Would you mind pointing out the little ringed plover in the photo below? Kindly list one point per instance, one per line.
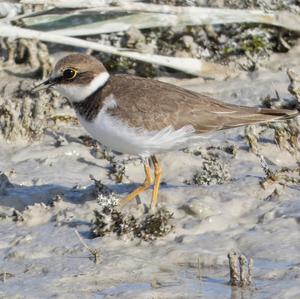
(145, 117)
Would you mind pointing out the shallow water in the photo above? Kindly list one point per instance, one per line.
(48, 261)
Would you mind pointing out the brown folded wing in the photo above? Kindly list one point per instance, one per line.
(154, 105)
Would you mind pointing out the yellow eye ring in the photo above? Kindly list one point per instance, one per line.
(70, 73)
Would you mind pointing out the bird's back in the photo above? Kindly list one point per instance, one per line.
(156, 105)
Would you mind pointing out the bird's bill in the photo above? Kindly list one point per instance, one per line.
(44, 85)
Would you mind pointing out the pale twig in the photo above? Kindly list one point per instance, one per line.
(250, 270)
(199, 276)
(265, 166)
(74, 3)
(252, 138)
(94, 252)
(188, 65)
(283, 42)
(241, 269)
(189, 15)
(233, 267)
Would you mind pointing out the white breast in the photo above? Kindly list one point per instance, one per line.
(117, 135)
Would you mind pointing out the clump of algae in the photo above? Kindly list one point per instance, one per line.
(147, 227)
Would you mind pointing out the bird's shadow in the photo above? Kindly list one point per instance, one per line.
(20, 196)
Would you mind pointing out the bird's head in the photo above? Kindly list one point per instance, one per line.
(76, 76)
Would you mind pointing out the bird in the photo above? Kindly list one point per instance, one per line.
(145, 117)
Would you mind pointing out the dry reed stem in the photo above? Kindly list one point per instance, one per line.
(94, 252)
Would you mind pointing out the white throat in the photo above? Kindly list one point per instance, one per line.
(79, 92)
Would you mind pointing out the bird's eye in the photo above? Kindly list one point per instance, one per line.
(69, 73)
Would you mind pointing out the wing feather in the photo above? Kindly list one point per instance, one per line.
(155, 105)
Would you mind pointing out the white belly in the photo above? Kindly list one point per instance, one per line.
(117, 136)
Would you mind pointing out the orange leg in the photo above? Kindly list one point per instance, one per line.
(157, 173)
(140, 189)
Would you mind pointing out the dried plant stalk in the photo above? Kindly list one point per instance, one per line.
(94, 252)
(186, 15)
(191, 66)
(252, 138)
(241, 269)
(233, 267)
(75, 3)
(250, 270)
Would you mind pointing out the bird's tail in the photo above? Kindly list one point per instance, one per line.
(248, 115)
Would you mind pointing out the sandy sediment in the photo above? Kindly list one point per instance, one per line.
(46, 193)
